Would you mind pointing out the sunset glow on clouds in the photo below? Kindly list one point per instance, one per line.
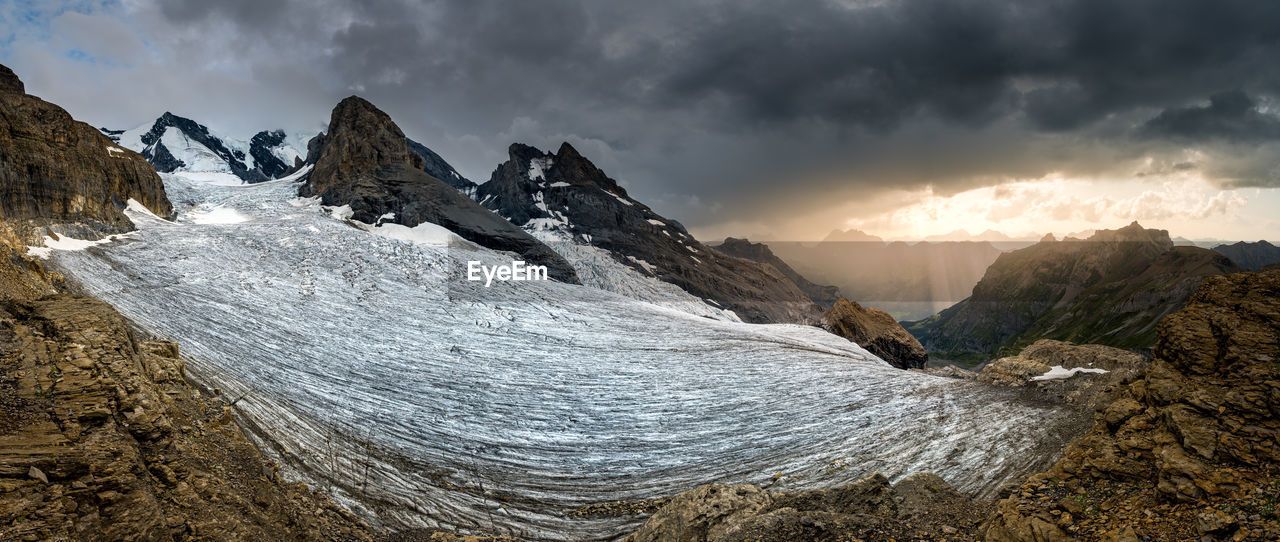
(1189, 207)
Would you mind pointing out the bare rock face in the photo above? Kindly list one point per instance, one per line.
(365, 162)
(9, 81)
(878, 332)
(101, 438)
(56, 170)
(1196, 431)
(919, 507)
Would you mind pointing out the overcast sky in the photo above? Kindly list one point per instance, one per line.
(769, 119)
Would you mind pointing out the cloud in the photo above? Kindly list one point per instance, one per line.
(770, 110)
(1230, 115)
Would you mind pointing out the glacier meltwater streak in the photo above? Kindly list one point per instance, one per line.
(368, 366)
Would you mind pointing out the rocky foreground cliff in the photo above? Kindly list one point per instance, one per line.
(1183, 447)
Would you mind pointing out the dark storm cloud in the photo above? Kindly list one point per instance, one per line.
(1231, 115)
(702, 101)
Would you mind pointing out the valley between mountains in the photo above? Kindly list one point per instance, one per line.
(210, 338)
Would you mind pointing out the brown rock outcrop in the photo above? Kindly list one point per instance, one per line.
(1197, 431)
(101, 438)
(878, 332)
(56, 170)
(919, 507)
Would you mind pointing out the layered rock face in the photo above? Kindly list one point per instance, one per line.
(55, 170)
(364, 161)
(1110, 289)
(823, 295)
(565, 195)
(101, 438)
(1193, 441)
(876, 331)
(919, 507)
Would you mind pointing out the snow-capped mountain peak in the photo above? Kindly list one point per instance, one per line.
(178, 144)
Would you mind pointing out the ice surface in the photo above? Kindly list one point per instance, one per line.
(195, 156)
(1058, 373)
(369, 367)
(218, 215)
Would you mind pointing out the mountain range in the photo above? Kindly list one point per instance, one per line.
(1250, 256)
(1109, 289)
(563, 196)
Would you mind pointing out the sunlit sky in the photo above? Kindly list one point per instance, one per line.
(1186, 206)
(776, 120)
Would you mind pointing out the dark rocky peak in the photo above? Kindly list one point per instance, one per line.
(9, 81)
(573, 168)
(367, 136)
(566, 196)
(365, 161)
(164, 159)
(436, 165)
(264, 159)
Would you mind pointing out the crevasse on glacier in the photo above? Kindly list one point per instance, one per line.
(368, 366)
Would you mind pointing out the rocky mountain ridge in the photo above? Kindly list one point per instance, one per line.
(364, 162)
(1110, 289)
(178, 144)
(823, 295)
(563, 194)
(1250, 256)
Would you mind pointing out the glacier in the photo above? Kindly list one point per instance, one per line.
(368, 366)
